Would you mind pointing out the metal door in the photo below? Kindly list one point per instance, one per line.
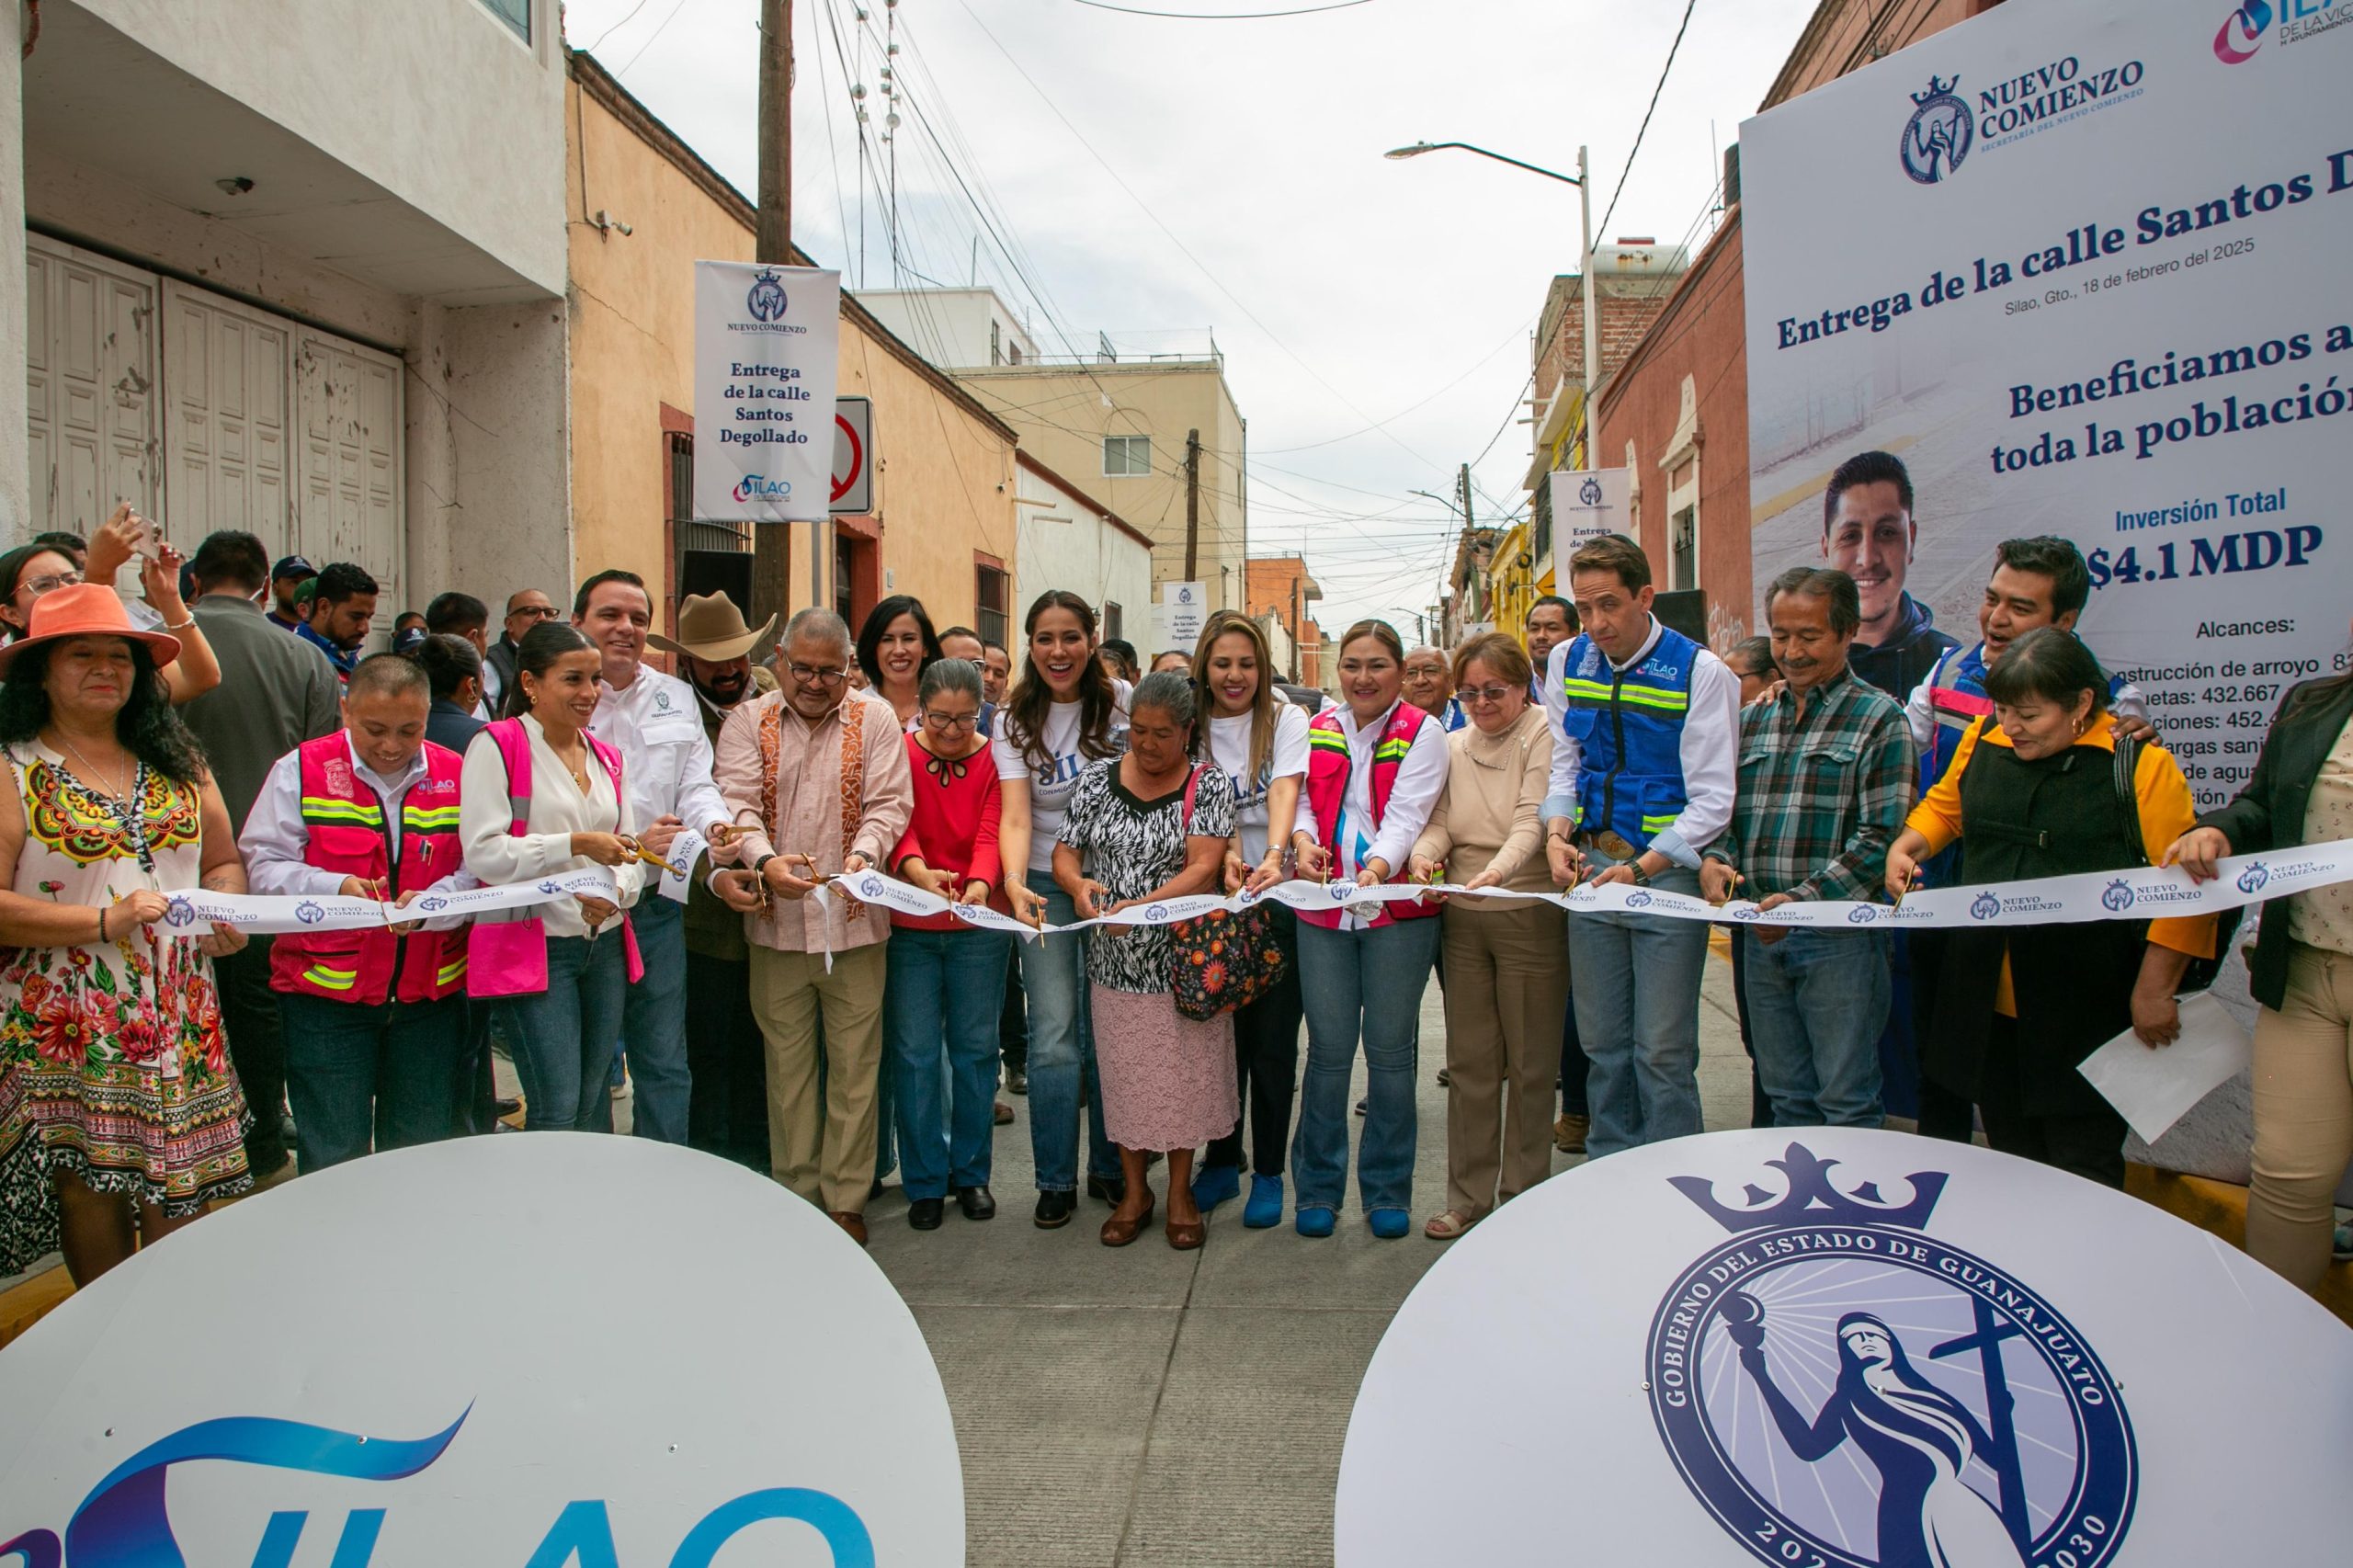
(91, 370)
(225, 367)
(347, 458)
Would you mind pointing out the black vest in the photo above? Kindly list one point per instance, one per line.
(2052, 817)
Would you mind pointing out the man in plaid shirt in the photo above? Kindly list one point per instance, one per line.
(1826, 778)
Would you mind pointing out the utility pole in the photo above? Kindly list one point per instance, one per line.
(1592, 307)
(1192, 502)
(772, 245)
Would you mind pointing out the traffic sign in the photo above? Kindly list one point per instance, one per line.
(853, 456)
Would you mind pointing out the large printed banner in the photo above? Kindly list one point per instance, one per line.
(765, 376)
(2082, 269)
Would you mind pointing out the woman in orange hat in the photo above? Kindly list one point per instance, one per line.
(114, 1084)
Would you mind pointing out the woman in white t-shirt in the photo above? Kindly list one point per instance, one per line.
(1259, 742)
(1063, 713)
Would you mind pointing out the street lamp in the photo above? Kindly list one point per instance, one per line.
(1585, 260)
(1451, 505)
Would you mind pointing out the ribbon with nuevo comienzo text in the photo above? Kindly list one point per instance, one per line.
(2136, 893)
(191, 913)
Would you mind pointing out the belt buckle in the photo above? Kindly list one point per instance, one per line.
(1616, 847)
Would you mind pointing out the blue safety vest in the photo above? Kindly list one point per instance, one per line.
(1628, 725)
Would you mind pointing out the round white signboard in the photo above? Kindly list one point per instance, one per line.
(1839, 1348)
(546, 1351)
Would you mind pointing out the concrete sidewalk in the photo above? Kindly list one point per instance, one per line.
(1143, 1406)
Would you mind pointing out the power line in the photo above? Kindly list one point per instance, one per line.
(650, 38)
(1687, 7)
(617, 26)
(1055, 109)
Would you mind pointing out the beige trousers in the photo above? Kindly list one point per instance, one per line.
(2304, 1116)
(1506, 997)
(822, 1147)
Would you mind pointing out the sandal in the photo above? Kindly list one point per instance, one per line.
(1446, 1226)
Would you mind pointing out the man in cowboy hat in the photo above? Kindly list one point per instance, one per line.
(727, 1111)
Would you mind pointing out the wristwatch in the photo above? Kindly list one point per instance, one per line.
(760, 864)
(1642, 878)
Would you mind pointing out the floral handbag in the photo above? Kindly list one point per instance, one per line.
(1224, 960)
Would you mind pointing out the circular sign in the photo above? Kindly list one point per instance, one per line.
(1832, 1347)
(552, 1348)
(849, 456)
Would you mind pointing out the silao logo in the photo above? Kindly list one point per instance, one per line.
(759, 488)
(2242, 33)
(123, 1522)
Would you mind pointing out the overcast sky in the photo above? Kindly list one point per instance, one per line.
(1160, 178)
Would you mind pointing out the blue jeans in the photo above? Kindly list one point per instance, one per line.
(361, 1075)
(1817, 1001)
(1360, 985)
(653, 1021)
(1061, 1052)
(562, 1038)
(944, 988)
(1637, 999)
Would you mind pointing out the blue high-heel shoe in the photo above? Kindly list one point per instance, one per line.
(1212, 1184)
(1316, 1222)
(1265, 1209)
(1389, 1224)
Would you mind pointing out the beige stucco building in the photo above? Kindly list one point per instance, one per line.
(942, 526)
(1118, 428)
(1111, 420)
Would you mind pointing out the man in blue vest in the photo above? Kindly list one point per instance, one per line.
(1645, 731)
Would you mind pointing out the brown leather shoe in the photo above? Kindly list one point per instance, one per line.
(1003, 1113)
(1187, 1238)
(1119, 1232)
(853, 1223)
(1568, 1133)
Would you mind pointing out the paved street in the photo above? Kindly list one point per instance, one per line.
(1147, 1407)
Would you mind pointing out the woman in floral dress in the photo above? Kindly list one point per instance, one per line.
(120, 1119)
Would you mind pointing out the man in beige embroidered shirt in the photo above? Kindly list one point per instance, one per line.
(817, 777)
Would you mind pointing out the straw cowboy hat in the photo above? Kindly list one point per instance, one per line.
(87, 609)
(712, 628)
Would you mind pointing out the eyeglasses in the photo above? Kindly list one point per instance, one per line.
(533, 612)
(821, 674)
(1487, 693)
(39, 585)
(950, 720)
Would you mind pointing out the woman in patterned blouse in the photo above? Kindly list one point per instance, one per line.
(116, 1092)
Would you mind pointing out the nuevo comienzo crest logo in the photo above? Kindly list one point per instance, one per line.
(2117, 897)
(1938, 136)
(1590, 491)
(765, 300)
(2253, 877)
(1839, 1388)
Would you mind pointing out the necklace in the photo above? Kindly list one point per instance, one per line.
(98, 780)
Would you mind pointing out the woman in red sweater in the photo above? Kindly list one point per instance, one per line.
(945, 979)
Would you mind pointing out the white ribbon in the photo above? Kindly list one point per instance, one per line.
(2141, 893)
(192, 912)
(679, 863)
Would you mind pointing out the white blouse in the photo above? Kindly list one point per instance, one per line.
(558, 811)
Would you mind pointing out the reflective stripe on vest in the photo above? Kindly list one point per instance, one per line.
(1329, 763)
(346, 836)
(1628, 726)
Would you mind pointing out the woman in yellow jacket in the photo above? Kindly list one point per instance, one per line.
(2034, 793)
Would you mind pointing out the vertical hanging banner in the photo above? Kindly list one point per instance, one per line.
(2081, 269)
(1586, 504)
(764, 372)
